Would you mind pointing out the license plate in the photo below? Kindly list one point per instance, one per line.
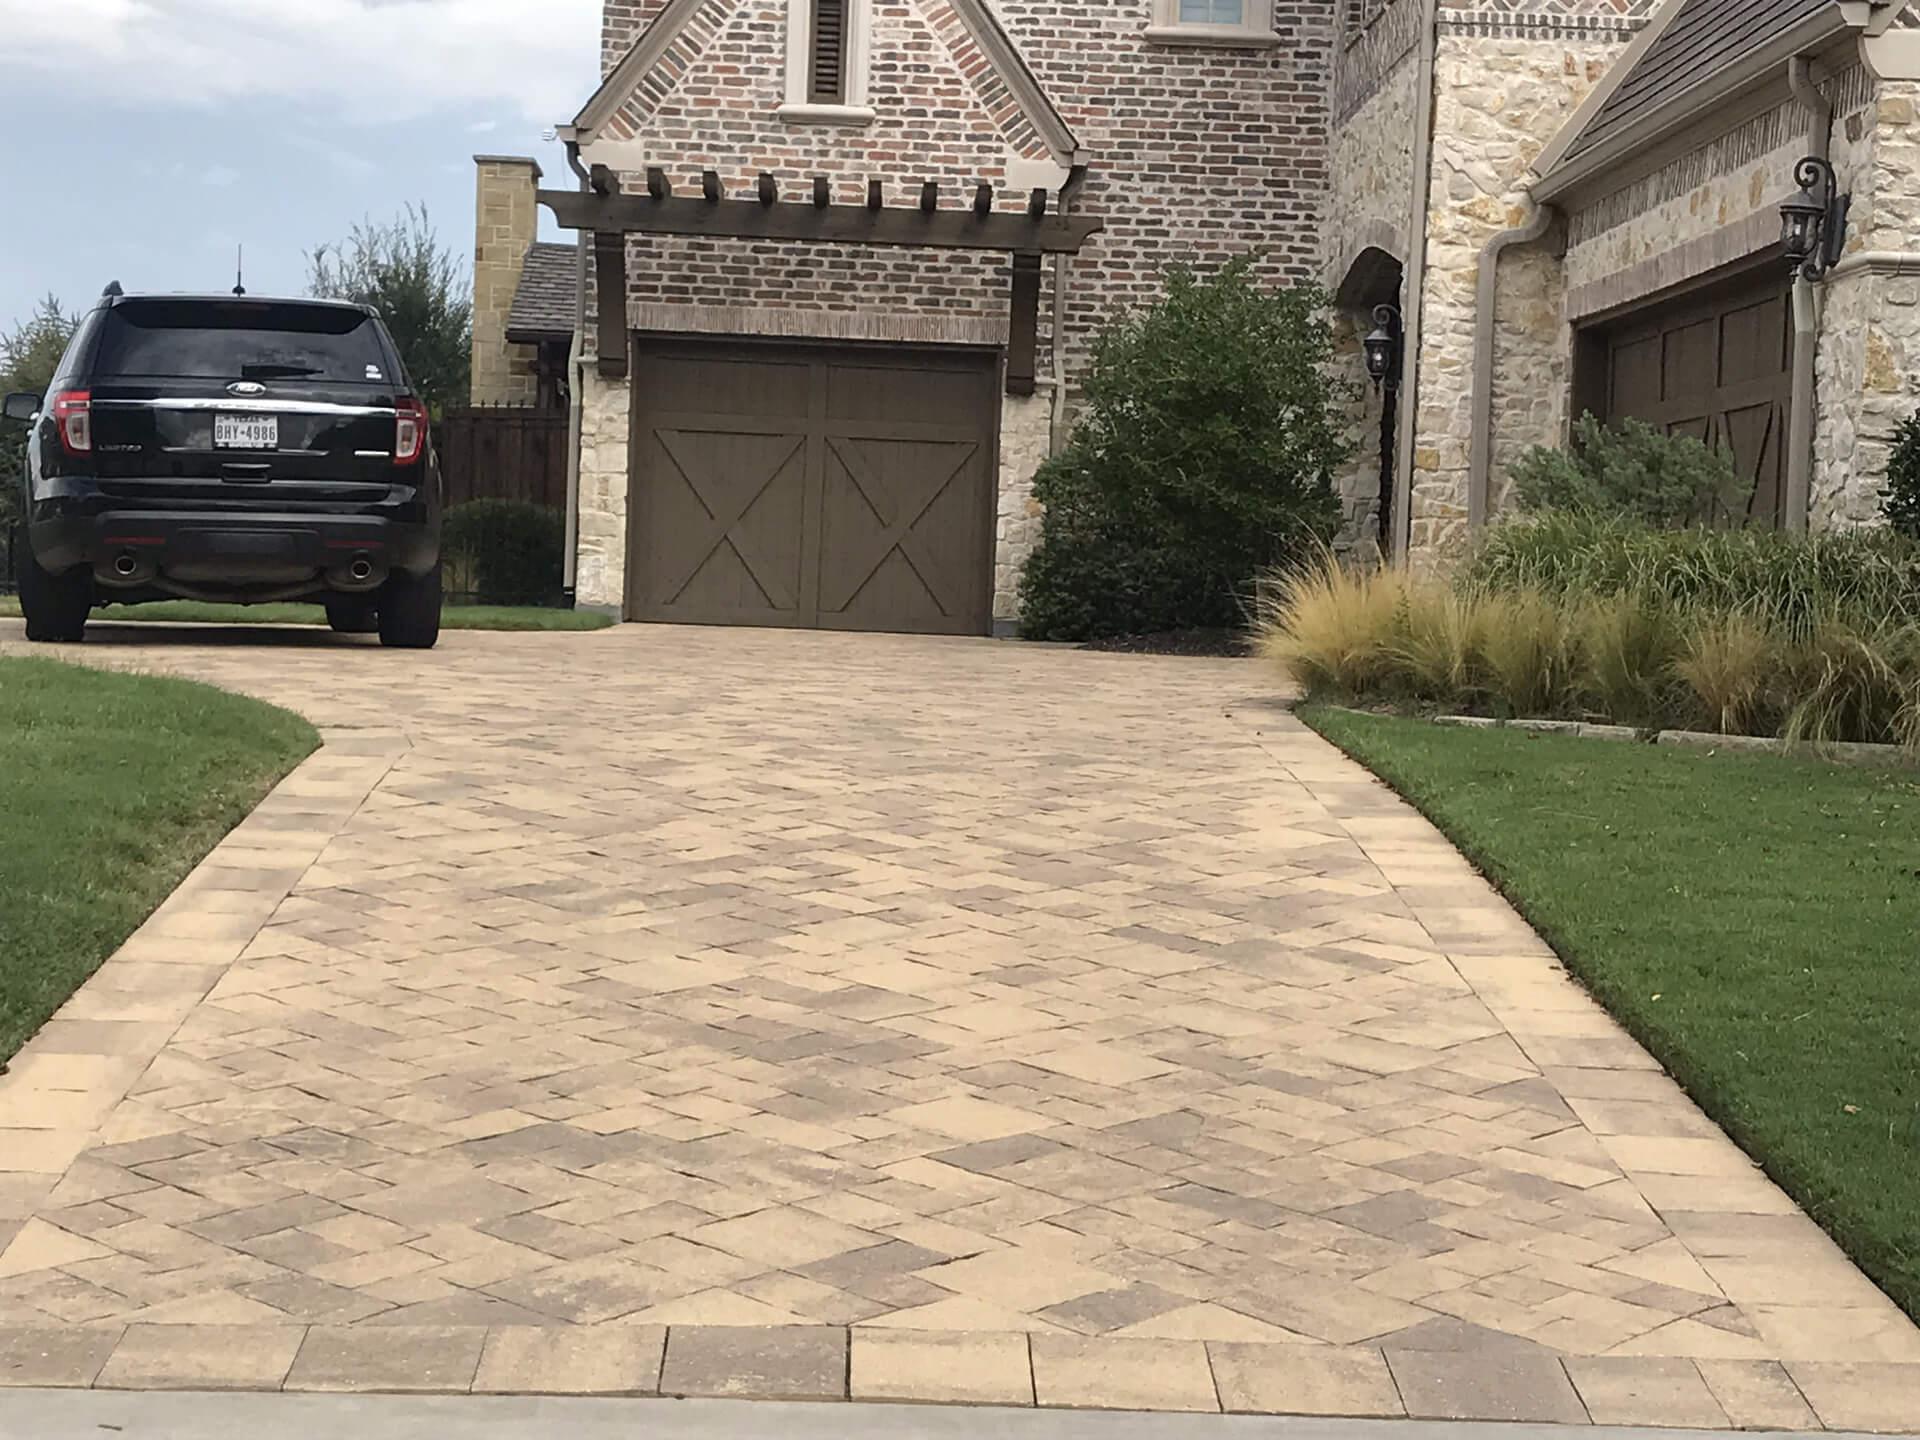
(246, 432)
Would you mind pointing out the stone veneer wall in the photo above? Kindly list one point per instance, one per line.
(1868, 365)
(1199, 152)
(1499, 101)
(1369, 207)
(1507, 79)
(506, 222)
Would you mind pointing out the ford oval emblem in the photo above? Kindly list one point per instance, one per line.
(246, 387)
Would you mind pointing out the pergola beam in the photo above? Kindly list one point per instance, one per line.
(1026, 236)
(764, 219)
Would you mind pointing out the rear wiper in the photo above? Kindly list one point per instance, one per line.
(276, 372)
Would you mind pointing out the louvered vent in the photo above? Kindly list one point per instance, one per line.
(829, 85)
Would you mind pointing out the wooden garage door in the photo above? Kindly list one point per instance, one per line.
(1717, 366)
(842, 488)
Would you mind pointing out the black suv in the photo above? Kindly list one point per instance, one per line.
(231, 449)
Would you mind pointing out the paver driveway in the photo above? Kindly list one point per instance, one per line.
(1071, 1027)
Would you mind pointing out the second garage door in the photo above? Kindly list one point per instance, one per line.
(845, 487)
(1716, 365)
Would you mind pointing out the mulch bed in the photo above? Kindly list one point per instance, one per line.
(1231, 644)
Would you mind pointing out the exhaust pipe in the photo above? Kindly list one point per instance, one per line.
(126, 565)
(361, 569)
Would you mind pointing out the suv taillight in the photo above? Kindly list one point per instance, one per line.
(409, 431)
(73, 418)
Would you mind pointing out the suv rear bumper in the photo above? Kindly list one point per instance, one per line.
(227, 552)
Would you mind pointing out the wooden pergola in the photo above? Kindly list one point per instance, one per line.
(1026, 235)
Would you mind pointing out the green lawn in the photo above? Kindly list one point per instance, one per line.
(454, 617)
(112, 788)
(1753, 920)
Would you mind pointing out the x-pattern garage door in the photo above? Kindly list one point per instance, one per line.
(841, 488)
(1717, 367)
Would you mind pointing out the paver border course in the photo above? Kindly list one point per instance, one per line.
(836, 1364)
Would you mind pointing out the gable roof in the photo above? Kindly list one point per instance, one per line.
(676, 21)
(1693, 61)
(544, 305)
(1701, 38)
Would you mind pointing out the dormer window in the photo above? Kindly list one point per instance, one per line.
(827, 62)
(1247, 23)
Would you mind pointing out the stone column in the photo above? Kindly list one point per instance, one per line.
(1026, 434)
(506, 222)
(1869, 358)
(605, 470)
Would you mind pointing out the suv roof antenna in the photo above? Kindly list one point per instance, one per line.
(240, 272)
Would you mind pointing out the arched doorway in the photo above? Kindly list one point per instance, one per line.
(1375, 280)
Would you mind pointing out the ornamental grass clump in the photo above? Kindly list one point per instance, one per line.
(1529, 649)
(1629, 645)
(1731, 665)
(1334, 628)
(1384, 637)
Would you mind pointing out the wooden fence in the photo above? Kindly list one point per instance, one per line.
(504, 453)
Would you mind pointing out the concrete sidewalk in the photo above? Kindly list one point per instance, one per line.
(67, 1415)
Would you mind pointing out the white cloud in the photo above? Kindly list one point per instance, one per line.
(372, 61)
(220, 177)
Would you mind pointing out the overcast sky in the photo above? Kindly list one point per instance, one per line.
(145, 139)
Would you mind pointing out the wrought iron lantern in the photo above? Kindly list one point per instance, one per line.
(1383, 347)
(1813, 224)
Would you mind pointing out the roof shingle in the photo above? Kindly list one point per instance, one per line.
(544, 304)
(1704, 36)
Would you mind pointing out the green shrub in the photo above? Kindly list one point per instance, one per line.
(1785, 580)
(1633, 471)
(1204, 457)
(1903, 480)
(505, 552)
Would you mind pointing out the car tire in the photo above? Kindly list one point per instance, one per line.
(353, 614)
(410, 610)
(55, 606)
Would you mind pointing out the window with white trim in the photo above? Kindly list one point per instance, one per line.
(1221, 22)
(827, 61)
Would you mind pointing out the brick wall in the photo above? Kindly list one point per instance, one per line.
(1197, 152)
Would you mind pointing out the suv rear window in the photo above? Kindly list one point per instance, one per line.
(241, 340)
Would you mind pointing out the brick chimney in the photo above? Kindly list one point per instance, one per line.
(506, 221)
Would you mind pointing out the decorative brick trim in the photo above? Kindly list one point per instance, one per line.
(680, 56)
(1743, 240)
(1371, 53)
(1495, 26)
(1743, 145)
(790, 324)
(995, 94)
